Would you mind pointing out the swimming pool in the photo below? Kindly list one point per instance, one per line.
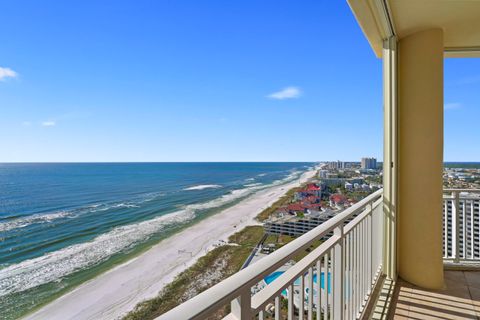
(273, 276)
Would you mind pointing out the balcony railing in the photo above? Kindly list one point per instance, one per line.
(334, 280)
(461, 235)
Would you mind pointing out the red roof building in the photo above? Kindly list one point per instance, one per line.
(338, 198)
(295, 207)
(312, 187)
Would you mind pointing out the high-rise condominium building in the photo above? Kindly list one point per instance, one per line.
(468, 226)
(369, 163)
(335, 165)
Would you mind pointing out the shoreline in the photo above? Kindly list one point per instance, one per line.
(114, 293)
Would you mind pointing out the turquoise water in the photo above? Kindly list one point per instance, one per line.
(273, 276)
(62, 224)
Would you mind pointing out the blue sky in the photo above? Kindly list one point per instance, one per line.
(202, 81)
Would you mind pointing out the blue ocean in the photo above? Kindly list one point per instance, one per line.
(62, 224)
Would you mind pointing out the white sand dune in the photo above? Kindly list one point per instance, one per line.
(116, 292)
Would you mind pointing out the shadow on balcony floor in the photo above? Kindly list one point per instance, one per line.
(460, 299)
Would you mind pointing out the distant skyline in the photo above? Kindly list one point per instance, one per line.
(124, 81)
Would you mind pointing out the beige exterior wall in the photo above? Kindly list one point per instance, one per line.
(420, 158)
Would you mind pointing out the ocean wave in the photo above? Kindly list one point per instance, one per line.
(106, 206)
(252, 184)
(40, 218)
(36, 218)
(223, 200)
(203, 186)
(241, 193)
(55, 265)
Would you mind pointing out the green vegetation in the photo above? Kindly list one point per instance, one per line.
(284, 200)
(248, 236)
(356, 195)
(284, 239)
(330, 189)
(210, 269)
(271, 238)
(278, 240)
(374, 179)
(345, 174)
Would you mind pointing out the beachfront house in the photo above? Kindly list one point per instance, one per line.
(312, 189)
(396, 257)
(337, 200)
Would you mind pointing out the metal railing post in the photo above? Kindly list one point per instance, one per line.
(241, 306)
(339, 269)
(370, 247)
(456, 226)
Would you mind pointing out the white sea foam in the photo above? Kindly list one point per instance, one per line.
(106, 206)
(262, 174)
(55, 265)
(253, 184)
(240, 193)
(132, 203)
(36, 218)
(223, 200)
(72, 213)
(203, 186)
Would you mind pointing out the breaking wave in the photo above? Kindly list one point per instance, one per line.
(203, 186)
(40, 218)
(252, 184)
(57, 264)
(36, 218)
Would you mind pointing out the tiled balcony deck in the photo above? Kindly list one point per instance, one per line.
(460, 299)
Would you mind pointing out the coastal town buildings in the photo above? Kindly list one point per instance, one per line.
(334, 190)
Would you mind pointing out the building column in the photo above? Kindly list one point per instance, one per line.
(420, 159)
(390, 162)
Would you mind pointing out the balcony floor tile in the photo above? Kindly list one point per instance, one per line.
(473, 279)
(459, 299)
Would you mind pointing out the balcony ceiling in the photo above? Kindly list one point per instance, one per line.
(459, 19)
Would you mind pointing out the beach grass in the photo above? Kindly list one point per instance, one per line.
(248, 236)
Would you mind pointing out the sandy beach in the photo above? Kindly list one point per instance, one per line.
(114, 293)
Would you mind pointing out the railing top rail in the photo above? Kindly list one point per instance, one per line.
(230, 288)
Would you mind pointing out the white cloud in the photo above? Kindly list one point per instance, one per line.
(48, 123)
(286, 93)
(7, 73)
(453, 105)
